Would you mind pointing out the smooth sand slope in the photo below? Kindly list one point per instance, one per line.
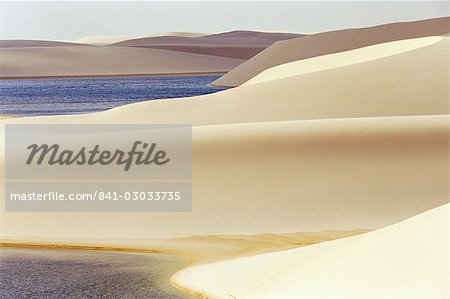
(410, 83)
(103, 40)
(331, 42)
(235, 44)
(340, 174)
(406, 260)
(15, 43)
(96, 61)
(343, 162)
(331, 61)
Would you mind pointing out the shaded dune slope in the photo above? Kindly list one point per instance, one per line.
(367, 146)
(340, 174)
(235, 44)
(332, 42)
(390, 86)
(14, 43)
(92, 61)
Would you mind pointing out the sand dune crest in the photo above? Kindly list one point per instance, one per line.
(332, 42)
(406, 260)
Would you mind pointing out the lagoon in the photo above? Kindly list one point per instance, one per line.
(29, 97)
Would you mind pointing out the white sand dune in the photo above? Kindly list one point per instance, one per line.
(407, 260)
(341, 59)
(361, 144)
(235, 44)
(101, 40)
(367, 146)
(389, 86)
(331, 42)
(95, 61)
(340, 174)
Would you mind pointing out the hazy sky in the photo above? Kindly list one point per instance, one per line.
(64, 20)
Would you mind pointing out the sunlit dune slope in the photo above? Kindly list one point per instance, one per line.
(332, 42)
(406, 260)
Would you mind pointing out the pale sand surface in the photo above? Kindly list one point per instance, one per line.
(406, 260)
(6, 116)
(235, 44)
(361, 146)
(409, 83)
(92, 61)
(103, 40)
(341, 59)
(331, 42)
(299, 169)
(337, 174)
(17, 43)
(194, 250)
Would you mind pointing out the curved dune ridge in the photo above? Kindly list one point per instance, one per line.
(361, 144)
(331, 42)
(96, 61)
(103, 40)
(339, 174)
(179, 33)
(406, 260)
(340, 152)
(341, 59)
(16, 43)
(410, 83)
(234, 44)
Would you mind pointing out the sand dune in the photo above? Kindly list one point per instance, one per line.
(331, 61)
(178, 33)
(331, 42)
(343, 150)
(235, 44)
(101, 40)
(15, 43)
(388, 86)
(406, 260)
(91, 61)
(340, 174)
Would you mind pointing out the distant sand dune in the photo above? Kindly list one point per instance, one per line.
(235, 44)
(178, 33)
(406, 260)
(103, 40)
(332, 42)
(35, 43)
(91, 60)
(354, 147)
(388, 86)
(349, 142)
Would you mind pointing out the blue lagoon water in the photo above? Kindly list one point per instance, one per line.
(27, 97)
